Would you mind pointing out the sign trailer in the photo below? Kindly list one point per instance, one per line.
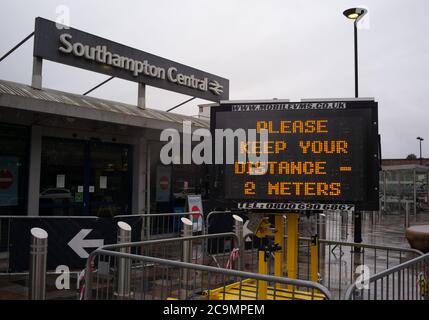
(321, 156)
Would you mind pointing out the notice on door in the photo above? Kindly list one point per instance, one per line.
(61, 180)
(103, 182)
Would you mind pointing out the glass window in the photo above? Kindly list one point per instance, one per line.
(85, 178)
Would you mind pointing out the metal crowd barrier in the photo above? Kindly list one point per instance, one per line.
(166, 225)
(248, 247)
(339, 261)
(165, 278)
(407, 281)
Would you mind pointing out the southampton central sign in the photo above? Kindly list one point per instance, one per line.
(80, 49)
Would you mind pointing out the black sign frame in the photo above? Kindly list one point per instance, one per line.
(47, 43)
(372, 159)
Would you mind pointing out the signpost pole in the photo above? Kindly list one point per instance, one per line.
(38, 256)
(357, 229)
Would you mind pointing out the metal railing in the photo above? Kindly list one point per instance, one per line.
(163, 278)
(407, 281)
(248, 247)
(166, 225)
(339, 261)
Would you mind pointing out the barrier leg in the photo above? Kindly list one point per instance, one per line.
(38, 255)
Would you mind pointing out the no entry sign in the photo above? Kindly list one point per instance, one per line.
(6, 179)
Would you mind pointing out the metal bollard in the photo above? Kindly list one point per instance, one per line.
(124, 264)
(238, 229)
(38, 255)
(187, 249)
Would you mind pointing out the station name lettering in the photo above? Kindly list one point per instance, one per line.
(102, 55)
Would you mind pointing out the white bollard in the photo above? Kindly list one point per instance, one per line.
(187, 250)
(124, 264)
(238, 229)
(38, 256)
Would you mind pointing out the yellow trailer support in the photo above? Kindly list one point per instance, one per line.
(251, 289)
(248, 290)
(314, 258)
(292, 246)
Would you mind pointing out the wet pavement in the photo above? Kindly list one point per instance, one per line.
(389, 229)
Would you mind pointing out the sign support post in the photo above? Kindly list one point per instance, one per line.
(279, 239)
(141, 99)
(292, 245)
(36, 79)
(262, 269)
(314, 258)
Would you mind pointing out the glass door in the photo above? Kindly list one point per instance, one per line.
(110, 184)
(62, 177)
(84, 178)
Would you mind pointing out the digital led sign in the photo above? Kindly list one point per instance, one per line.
(319, 155)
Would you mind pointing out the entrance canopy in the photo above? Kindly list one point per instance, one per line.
(62, 104)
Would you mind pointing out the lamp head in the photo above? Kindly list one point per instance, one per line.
(420, 138)
(355, 13)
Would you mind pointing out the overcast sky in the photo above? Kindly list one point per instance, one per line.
(267, 49)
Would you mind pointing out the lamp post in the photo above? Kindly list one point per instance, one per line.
(356, 14)
(420, 141)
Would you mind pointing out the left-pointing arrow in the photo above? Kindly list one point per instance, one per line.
(78, 243)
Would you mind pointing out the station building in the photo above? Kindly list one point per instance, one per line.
(68, 154)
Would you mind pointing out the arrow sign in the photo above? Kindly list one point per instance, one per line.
(247, 232)
(78, 243)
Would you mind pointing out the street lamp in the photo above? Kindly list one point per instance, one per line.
(420, 140)
(355, 14)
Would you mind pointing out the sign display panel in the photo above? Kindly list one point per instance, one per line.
(83, 50)
(319, 155)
